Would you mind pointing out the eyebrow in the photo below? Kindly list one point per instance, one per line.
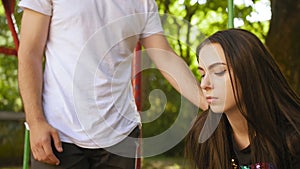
(212, 65)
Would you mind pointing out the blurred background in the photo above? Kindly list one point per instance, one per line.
(186, 24)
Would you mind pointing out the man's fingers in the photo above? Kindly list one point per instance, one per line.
(45, 155)
(42, 149)
(49, 156)
(35, 153)
(56, 141)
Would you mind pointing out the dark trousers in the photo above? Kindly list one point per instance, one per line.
(74, 157)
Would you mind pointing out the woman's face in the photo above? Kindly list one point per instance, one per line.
(215, 82)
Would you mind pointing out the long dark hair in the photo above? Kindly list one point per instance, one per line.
(269, 104)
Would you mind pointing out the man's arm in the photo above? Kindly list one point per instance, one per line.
(174, 69)
(34, 32)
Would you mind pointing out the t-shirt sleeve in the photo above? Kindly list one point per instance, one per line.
(41, 6)
(153, 23)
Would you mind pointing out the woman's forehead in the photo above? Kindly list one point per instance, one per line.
(210, 54)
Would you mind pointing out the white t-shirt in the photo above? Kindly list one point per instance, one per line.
(87, 93)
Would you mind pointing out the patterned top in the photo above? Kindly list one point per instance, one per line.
(252, 166)
(242, 159)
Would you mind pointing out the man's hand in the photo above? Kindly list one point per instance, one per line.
(41, 136)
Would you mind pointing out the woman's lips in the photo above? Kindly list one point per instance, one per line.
(211, 99)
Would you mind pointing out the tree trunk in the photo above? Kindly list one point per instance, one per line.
(283, 39)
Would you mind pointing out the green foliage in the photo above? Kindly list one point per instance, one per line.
(9, 94)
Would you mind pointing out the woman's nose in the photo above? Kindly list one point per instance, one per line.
(206, 83)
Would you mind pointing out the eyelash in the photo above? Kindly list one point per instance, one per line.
(218, 73)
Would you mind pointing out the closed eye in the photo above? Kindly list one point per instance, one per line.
(221, 73)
